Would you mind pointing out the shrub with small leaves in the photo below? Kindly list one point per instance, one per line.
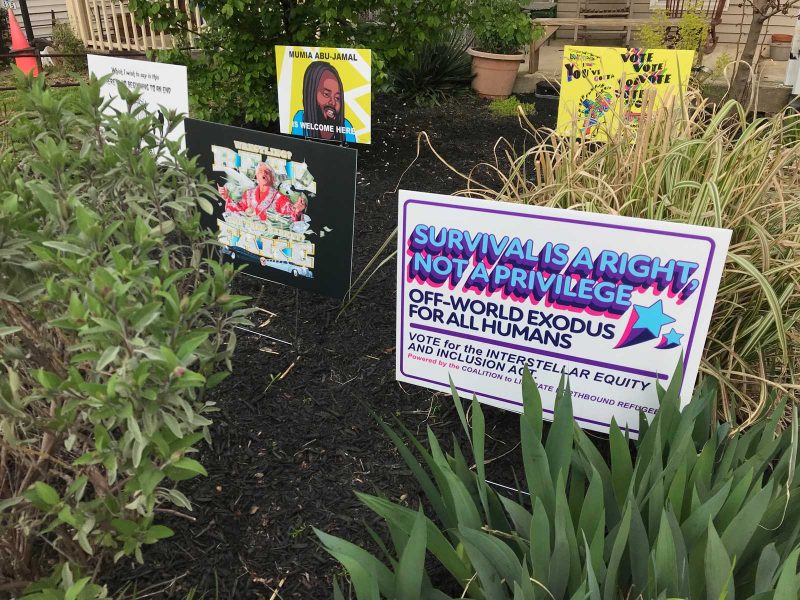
(501, 26)
(66, 42)
(115, 320)
(510, 107)
(690, 33)
(696, 512)
(655, 33)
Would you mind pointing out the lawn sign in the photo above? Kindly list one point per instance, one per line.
(487, 289)
(285, 207)
(159, 84)
(603, 87)
(325, 93)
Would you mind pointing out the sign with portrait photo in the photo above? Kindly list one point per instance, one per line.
(325, 93)
(601, 88)
(487, 289)
(285, 207)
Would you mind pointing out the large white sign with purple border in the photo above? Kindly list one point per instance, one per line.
(485, 289)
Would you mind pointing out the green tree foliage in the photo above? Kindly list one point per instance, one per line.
(694, 512)
(233, 77)
(115, 319)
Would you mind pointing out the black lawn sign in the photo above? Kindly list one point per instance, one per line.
(285, 206)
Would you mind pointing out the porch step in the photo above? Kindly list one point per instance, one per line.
(525, 82)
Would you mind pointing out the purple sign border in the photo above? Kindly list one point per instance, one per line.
(585, 223)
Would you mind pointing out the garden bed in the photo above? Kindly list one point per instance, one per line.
(294, 437)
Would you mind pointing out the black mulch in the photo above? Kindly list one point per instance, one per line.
(293, 437)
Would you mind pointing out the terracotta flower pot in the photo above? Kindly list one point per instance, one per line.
(494, 74)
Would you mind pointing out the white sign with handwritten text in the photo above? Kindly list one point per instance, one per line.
(160, 85)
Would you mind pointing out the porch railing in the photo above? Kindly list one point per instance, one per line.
(712, 8)
(109, 25)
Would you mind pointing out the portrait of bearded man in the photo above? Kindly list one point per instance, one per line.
(322, 116)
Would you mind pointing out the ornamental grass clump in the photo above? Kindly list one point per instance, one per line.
(695, 511)
(704, 166)
(115, 320)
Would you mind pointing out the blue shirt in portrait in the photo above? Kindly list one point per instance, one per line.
(297, 129)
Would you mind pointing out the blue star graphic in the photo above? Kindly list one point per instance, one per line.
(673, 338)
(651, 317)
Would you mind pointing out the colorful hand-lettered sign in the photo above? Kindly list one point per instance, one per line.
(487, 289)
(601, 88)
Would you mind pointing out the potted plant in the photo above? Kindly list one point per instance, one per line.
(502, 30)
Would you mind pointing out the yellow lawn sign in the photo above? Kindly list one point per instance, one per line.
(604, 88)
(325, 93)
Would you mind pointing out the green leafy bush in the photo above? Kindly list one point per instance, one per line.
(233, 78)
(65, 585)
(655, 33)
(66, 42)
(439, 69)
(694, 512)
(500, 26)
(690, 33)
(114, 321)
(693, 30)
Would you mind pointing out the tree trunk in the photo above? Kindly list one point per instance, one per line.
(741, 79)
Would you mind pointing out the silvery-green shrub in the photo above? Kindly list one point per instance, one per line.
(115, 320)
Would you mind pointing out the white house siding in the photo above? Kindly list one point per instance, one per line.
(41, 17)
(730, 31)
